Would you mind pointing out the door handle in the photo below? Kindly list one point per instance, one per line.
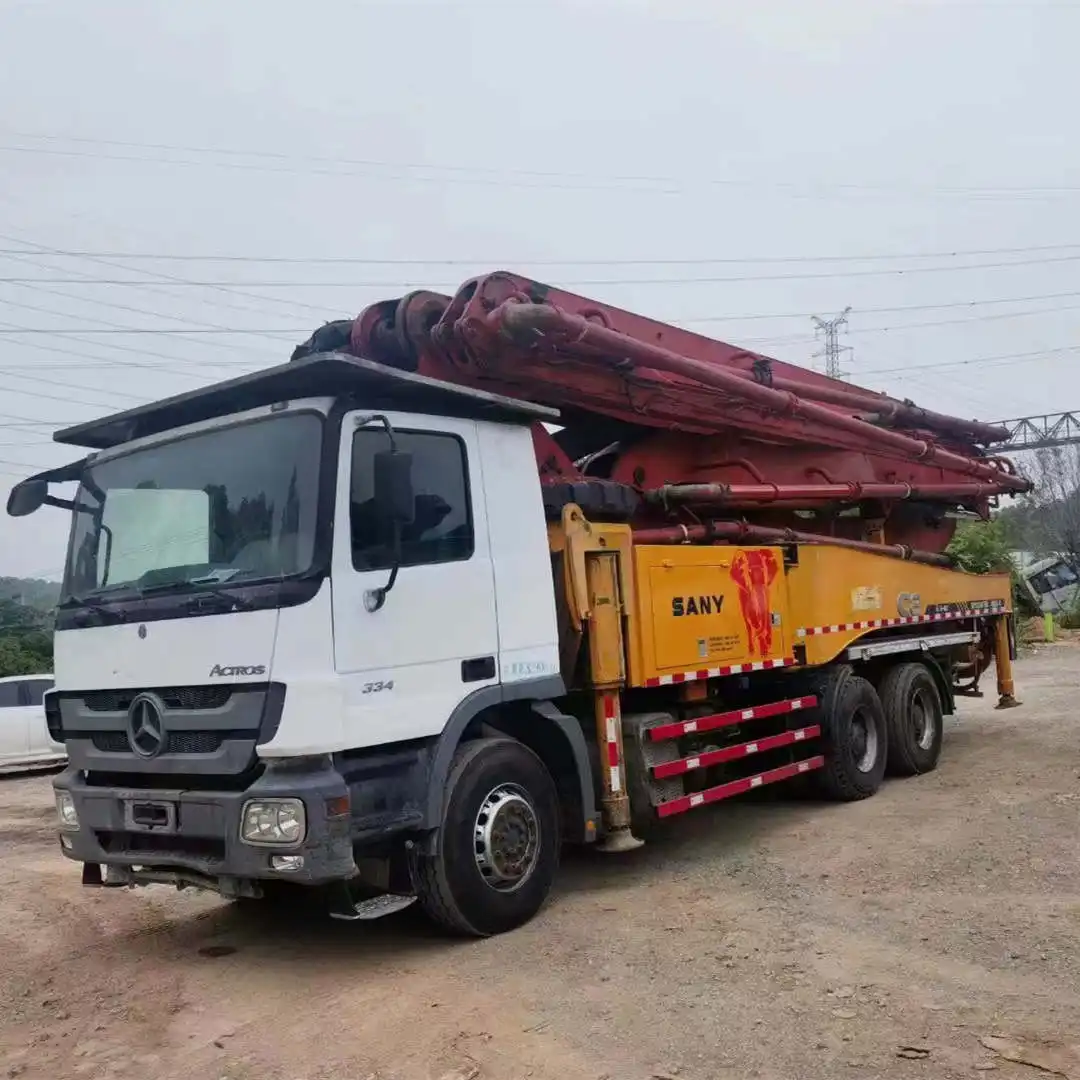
(478, 669)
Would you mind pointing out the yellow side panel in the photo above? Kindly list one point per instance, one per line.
(701, 608)
(833, 587)
(706, 607)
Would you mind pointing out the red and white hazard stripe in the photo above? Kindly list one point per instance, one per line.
(726, 719)
(612, 720)
(906, 620)
(717, 672)
(735, 752)
(737, 787)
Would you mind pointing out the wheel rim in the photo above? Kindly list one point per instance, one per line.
(864, 741)
(923, 719)
(506, 838)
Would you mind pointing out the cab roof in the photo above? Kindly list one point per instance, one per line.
(321, 375)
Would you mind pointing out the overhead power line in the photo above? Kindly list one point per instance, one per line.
(88, 360)
(741, 339)
(113, 306)
(11, 420)
(61, 331)
(1038, 354)
(976, 360)
(159, 277)
(111, 327)
(29, 465)
(347, 260)
(900, 328)
(904, 271)
(63, 384)
(313, 164)
(953, 305)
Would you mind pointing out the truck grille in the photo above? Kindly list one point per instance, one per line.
(178, 742)
(174, 697)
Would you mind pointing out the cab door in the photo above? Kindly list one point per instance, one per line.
(405, 667)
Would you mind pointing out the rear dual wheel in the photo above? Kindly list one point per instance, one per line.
(914, 718)
(854, 737)
(896, 728)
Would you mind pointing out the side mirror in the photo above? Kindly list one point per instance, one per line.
(395, 500)
(27, 497)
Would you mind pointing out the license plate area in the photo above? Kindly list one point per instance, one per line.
(149, 816)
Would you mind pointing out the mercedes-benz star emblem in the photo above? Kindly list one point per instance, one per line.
(145, 728)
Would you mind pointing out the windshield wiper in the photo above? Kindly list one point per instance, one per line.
(200, 592)
(104, 614)
(103, 611)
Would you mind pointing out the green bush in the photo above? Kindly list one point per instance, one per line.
(1070, 620)
(983, 547)
(25, 639)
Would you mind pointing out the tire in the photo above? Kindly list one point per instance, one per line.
(854, 738)
(914, 719)
(599, 500)
(639, 755)
(502, 782)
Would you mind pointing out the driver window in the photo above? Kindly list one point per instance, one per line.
(442, 527)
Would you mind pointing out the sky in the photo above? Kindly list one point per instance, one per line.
(732, 168)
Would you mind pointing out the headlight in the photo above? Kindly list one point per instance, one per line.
(273, 821)
(66, 812)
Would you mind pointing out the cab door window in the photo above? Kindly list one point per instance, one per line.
(442, 526)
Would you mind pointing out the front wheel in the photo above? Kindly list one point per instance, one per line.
(499, 846)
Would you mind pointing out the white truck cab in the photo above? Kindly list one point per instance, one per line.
(287, 600)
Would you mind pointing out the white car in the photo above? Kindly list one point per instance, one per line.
(24, 736)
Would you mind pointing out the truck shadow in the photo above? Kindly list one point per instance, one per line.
(275, 939)
(727, 836)
(239, 935)
(725, 840)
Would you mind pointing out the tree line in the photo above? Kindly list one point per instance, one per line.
(26, 625)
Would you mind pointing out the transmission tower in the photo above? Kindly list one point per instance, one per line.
(829, 329)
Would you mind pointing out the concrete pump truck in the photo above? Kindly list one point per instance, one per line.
(473, 577)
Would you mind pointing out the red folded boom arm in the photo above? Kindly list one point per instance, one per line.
(690, 425)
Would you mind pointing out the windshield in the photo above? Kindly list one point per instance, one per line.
(233, 503)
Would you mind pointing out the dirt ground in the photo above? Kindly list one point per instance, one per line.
(768, 939)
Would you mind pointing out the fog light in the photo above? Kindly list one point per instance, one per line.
(65, 811)
(65, 842)
(273, 821)
(287, 864)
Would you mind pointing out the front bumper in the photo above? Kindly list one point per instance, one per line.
(199, 842)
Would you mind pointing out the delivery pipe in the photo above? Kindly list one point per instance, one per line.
(523, 322)
(760, 534)
(720, 494)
